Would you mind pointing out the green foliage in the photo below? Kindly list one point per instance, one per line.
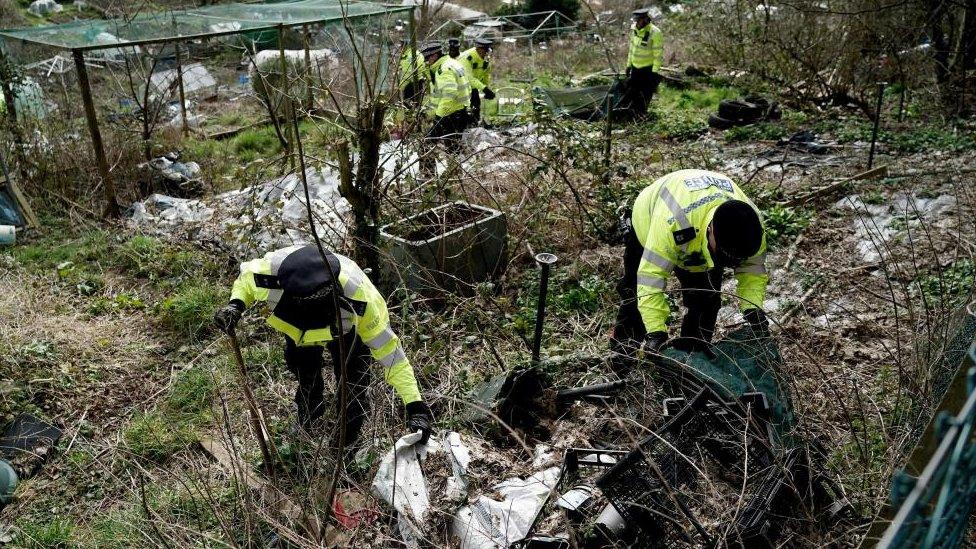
(256, 143)
(191, 394)
(569, 8)
(682, 115)
(679, 125)
(155, 437)
(57, 533)
(753, 132)
(586, 296)
(149, 257)
(52, 250)
(189, 310)
(953, 284)
(783, 222)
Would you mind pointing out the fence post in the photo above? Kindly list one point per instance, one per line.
(179, 82)
(877, 123)
(111, 202)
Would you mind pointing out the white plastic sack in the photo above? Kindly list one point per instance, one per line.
(400, 480)
(490, 524)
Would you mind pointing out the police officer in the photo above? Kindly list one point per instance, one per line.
(477, 63)
(453, 48)
(315, 301)
(643, 64)
(449, 98)
(696, 224)
(413, 75)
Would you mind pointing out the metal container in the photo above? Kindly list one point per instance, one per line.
(448, 248)
(8, 235)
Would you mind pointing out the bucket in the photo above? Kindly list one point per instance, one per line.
(8, 234)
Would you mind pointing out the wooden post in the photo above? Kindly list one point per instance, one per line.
(179, 82)
(286, 97)
(111, 202)
(308, 69)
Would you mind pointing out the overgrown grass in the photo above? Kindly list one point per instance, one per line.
(188, 312)
(754, 132)
(920, 138)
(56, 533)
(682, 114)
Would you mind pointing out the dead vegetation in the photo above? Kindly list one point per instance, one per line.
(105, 330)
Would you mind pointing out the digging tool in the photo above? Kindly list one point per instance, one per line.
(268, 451)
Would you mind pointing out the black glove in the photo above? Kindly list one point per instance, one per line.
(488, 93)
(757, 319)
(653, 342)
(227, 316)
(419, 418)
(628, 71)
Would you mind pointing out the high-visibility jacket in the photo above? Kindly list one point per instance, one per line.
(671, 218)
(364, 311)
(450, 89)
(478, 68)
(646, 47)
(412, 68)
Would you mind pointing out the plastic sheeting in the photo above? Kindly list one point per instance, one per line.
(491, 524)
(255, 219)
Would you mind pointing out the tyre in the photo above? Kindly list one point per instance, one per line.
(720, 123)
(740, 111)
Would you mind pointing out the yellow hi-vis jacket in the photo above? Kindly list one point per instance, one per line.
(646, 47)
(371, 321)
(670, 218)
(450, 89)
(412, 67)
(478, 68)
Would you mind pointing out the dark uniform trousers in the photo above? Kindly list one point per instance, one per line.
(446, 130)
(306, 364)
(640, 89)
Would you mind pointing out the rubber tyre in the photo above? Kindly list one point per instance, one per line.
(719, 123)
(740, 111)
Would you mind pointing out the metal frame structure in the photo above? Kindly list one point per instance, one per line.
(935, 508)
(49, 36)
(519, 31)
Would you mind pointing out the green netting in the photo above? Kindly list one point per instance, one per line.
(585, 103)
(741, 364)
(193, 23)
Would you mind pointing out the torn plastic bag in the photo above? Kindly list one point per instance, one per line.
(400, 480)
(490, 524)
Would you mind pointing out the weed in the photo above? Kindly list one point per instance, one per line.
(155, 437)
(586, 296)
(188, 312)
(190, 395)
(59, 532)
(784, 222)
(954, 284)
(256, 143)
(151, 258)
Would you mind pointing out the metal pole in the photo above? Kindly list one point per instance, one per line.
(111, 203)
(179, 82)
(545, 261)
(877, 123)
(308, 69)
(285, 98)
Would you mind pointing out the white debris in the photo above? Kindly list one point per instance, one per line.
(197, 80)
(877, 224)
(491, 524)
(256, 219)
(400, 480)
(41, 8)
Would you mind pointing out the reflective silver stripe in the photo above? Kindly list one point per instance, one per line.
(654, 258)
(350, 287)
(380, 339)
(393, 358)
(348, 321)
(273, 297)
(652, 281)
(676, 210)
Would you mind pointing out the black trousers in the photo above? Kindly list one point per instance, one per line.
(640, 88)
(475, 106)
(447, 131)
(306, 364)
(700, 294)
(413, 94)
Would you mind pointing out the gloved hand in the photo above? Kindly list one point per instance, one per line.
(629, 70)
(488, 93)
(653, 342)
(420, 419)
(226, 317)
(757, 319)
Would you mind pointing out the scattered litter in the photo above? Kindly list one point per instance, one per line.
(877, 224)
(352, 510)
(254, 219)
(402, 480)
(490, 524)
(8, 235)
(197, 81)
(27, 443)
(177, 177)
(805, 141)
